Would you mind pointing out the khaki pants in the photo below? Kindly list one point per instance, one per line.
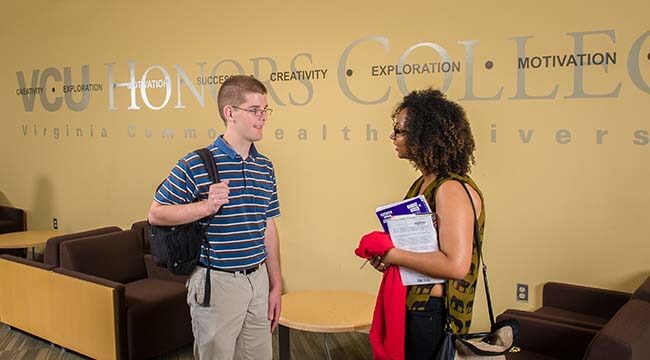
(236, 324)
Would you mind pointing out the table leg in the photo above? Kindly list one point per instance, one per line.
(284, 341)
(328, 356)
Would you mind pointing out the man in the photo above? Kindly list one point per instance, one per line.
(244, 255)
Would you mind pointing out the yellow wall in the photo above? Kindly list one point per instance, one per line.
(568, 212)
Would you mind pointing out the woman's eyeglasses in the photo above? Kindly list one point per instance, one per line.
(398, 132)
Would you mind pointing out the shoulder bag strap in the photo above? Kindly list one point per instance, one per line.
(477, 244)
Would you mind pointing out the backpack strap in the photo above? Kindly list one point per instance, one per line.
(210, 164)
(213, 174)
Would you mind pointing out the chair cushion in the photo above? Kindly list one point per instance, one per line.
(149, 291)
(161, 273)
(544, 337)
(115, 256)
(570, 317)
(51, 255)
(158, 317)
(586, 300)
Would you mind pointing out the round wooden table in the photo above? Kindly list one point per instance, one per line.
(26, 239)
(326, 311)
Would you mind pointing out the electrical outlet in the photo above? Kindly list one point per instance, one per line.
(521, 293)
(55, 223)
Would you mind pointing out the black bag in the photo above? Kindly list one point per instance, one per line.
(179, 247)
(447, 350)
(494, 344)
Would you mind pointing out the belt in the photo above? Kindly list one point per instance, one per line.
(240, 271)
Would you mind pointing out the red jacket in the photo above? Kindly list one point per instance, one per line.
(388, 328)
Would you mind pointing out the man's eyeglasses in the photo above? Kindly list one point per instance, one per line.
(257, 111)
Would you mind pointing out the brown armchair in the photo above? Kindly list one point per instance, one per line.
(582, 322)
(153, 314)
(577, 305)
(12, 220)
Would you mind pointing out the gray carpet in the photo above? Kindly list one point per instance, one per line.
(15, 344)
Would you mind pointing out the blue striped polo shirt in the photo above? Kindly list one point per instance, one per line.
(236, 235)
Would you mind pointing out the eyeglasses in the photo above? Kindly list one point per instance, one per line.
(257, 111)
(398, 132)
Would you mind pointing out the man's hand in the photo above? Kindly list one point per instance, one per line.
(217, 196)
(275, 305)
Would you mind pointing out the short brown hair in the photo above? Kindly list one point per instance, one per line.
(233, 91)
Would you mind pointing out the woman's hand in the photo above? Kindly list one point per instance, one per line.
(376, 262)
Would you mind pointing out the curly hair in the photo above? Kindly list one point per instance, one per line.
(438, 136)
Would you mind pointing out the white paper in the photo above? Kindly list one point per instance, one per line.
(415, 233)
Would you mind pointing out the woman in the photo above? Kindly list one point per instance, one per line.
(434, 135)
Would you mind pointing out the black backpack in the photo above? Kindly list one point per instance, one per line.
(178, 247)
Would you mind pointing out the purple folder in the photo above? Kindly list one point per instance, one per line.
(414, 205)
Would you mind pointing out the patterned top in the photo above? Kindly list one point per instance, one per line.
(236, 235)
(460, 294)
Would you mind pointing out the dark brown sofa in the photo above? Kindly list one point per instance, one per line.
(153, 314)
(12, 220)
(577, 322)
